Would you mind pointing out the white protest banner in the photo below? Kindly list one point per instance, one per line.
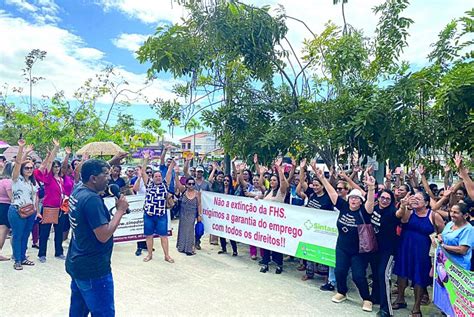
(302, 232)
(131, 225)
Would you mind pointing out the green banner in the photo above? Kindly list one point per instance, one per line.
(316, 253)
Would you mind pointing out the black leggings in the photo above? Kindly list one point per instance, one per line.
(382, 265)
(276, 257)
(358, 264)
(45, 230)
(224, 245)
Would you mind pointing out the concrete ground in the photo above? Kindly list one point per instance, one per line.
(206, 284)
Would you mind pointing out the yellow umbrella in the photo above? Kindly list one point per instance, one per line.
(100, 148)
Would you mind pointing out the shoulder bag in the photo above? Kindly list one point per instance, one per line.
(367, 239)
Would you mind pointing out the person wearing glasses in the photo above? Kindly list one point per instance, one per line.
(155, 216)
(140, 189)
(190, 211)
(385, 221)
(50, 175)
(21, 213)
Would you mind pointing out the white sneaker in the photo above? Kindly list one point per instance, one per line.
(338, 298)
(367, 306)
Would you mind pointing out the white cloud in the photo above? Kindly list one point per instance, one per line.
(130, 42)
(42, 11)
(68, 64)
(147, 11)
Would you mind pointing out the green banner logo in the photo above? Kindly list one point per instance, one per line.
(316, 253)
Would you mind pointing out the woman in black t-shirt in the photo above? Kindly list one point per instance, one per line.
(385, 220)
(351, 214)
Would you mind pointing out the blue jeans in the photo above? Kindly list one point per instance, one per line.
(21, 229)
(332, 276)
(94, 295)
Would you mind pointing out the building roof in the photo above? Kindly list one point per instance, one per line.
(189, 138)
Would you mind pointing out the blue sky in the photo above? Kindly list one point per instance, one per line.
(82, 36)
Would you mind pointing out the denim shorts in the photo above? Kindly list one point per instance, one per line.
(155, 225)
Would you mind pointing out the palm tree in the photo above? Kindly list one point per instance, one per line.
(154, 126)
(193, 125)
(344, 31)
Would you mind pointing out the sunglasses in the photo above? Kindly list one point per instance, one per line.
(149, 172)
(226, 180)
(28, 168)
(191, 184)
(340, 188)
(385, 198)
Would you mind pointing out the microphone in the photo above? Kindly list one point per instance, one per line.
(114, 190)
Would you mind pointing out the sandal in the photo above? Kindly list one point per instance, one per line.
(28, 262)
(17, 266)
(416, 314)
(396, 305)
(4, 258)
(306, 277)
(169, 260)
(425, 300)
(301, 267)
(147, 258)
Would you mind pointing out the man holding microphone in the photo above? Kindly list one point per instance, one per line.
(90, 250)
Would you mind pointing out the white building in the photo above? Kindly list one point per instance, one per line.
(205, 143)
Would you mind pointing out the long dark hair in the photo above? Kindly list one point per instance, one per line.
(392, 197)
(274, 191)
(32, 177)
(231, 186)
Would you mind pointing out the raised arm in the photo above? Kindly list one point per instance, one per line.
(65, 163)
(178, 186)
(388, 179)
(170, 170)
(283, 181)
(117, 158)
(329, 189)
(187, 161)
(447, 176)
(136, 185)
(146, 158)
(49, 160)
(293, 169)
(424, 182)
(19, 156)
(163, 154)
(369, 203)
(351, 182)
(464, 174)
(302, 185)
(261, 179)
(77, 171)
(402, 212)
(213, 172)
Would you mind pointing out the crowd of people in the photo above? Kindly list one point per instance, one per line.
(395, 224)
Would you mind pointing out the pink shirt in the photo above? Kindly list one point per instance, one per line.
(53, 189)
(5, 185)
(68, 184)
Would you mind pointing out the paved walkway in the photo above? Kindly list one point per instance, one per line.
(206, 284)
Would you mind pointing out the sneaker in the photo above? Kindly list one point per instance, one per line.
(61, 257)
(382, 313)
(338, 298)
(327, 287)
(253, 257)
(42, 259)
(198, 246)
(278, 270)
(367, 306)
(138, 252)
(222, 252)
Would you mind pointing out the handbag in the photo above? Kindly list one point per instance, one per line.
(26, 211)
(65, 205)
(199, 230)
(50, 215)
(367, 239)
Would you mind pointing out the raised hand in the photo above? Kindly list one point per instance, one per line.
(447, 192)
(68, 151)
(293, 162)
(357, 169)
(370, 181)
(447, 168)
(263, 170)
(421, 169)
(458, 160)
(313, 165)
(388, 175)
(255, 158)
(303, 163)
(278, 161)
(369, 170)
(56, 143)
(215, 166)
(405, 201)
(85, 156)
(146, 155)
(21, 142)
(319, 173)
